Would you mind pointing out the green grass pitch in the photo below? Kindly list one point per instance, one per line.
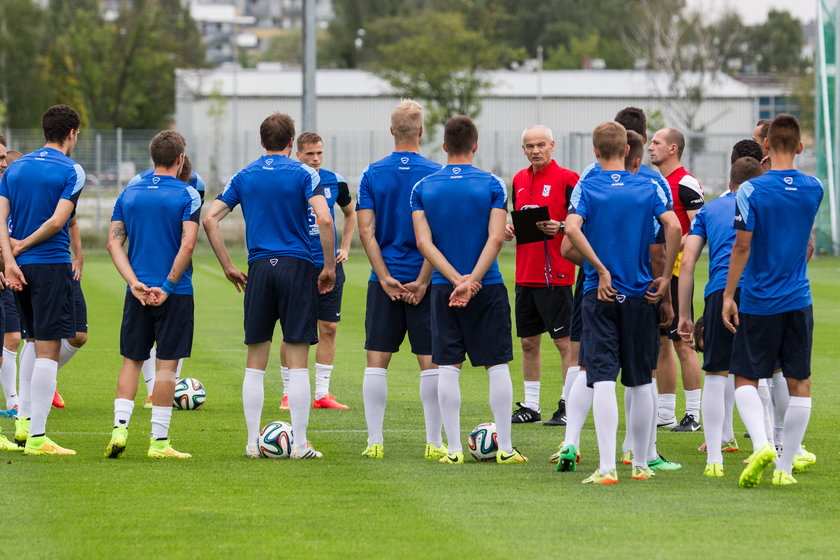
(220, 504)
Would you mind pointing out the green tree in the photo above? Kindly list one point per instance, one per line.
(776, 44)
(22, 85)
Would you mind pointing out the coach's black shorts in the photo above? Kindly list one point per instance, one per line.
(717, 340)
(576, 325)
(284, 289)
(619, 335)
(763, 343)
(169, 326)
(481, 330)
(387, 322)
(81, 307)
(329, 304)
(671, 331)
(11, 322)
(46, 305)
(543, 309)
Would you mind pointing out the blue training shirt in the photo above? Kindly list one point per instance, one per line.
(33, 185)
(153, 211)
(779, 207)
(713, 222)
(385, 188)
(195, 181)
(335, 191)
(274, 192)
(617, 207)
(457, 201)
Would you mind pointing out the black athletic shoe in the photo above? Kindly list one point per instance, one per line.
(747, 435)
(524, 415)
(688, 424)
(559, 416)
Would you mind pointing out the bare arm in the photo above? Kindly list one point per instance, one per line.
(78, 257)
(14, 277)
(189, 233)
(661, 285)
(49, 228)
(218, 210)
(578, 240)
(326, 280)
(427, 248)
(737, 263)
(419, 286)
(569, 252)
(116, 248)
(346, 232)
(495, 239)
(367, 226)
(691, 252)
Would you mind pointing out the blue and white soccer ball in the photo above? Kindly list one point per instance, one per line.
(275, 441)
(482, 442)
(189, 394)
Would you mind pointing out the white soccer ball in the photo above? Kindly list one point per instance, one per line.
(275, 441)
(189, 394)
(482, 442)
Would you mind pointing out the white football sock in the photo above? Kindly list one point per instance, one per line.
(639, 420)
(713, 416)
(161, 417)
(178, 369)
(652, 452)
(27, 366)
(431, 406)
(571, 375)
(532, 395)
(796, 422)
(284, 375)
(375, 395)
(300, 400)
(501, 395)
(767, 409)
(667, 406)
(577, 409)
(66, 353)
(692, 403)
(728, 433)
(605, 411)
(122, 411)
(449, 397)
(781, 398)
(322, 380)
(627, 444)
(8, 377)
(43, 388)
(149, 372)
(752, 414)
(253, 395)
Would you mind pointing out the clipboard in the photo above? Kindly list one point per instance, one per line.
(525, 224)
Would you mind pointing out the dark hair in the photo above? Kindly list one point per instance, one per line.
(308, 138)
(58, 121)
(460, 135)
(744, 169)
(277, 131)
(186, 170)
(763, 127)
(784, 134)
(746, 148)
(610, 139)
(3, 141)
(637, 147)
(633, 118)
(165, 148)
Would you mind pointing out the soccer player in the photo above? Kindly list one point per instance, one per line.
(275, 193)
(775, 319)
(396, 296)
(159, 219)
(40, 192)
(666, 149)
(459, 216)
(619, 320)
(713, 224)
(543, 277)
(9, 315)
(310, 150)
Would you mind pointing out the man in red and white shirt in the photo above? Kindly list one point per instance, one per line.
(666, 149)
(544, 278)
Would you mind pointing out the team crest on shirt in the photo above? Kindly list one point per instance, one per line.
(42, 154)
(155, 180)
(326, 192)
(273, 262)
(456, 170)
(615, 177)
(268, 161)
(788, 180)
(546, 190)
(620, 298)
(403, 160)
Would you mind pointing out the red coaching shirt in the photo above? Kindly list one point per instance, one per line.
(686, 193)
(550, 186)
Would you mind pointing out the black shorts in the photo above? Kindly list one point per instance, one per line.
(11, 319)
(81, 307)
(46, 304)
(576, 325)
(765, 342)
(671, 332)
(169, 327)
(481, 330)
(717, 340)
(387, 322)
(543, 309)
(329, 304)
(619, 336)
(284, 289)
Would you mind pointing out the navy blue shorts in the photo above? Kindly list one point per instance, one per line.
(481, 330)
(619, 335)
(284, 289)
(81, 307)
(329, 304)
(543, 309)
(11, 317)
(671, 331)
(46, 303)
(717, 340)
(169, 326)
(766, 342)
(576, 325)
(387, 322)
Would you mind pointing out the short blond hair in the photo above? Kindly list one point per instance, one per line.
(407, 120)
(610, 139)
